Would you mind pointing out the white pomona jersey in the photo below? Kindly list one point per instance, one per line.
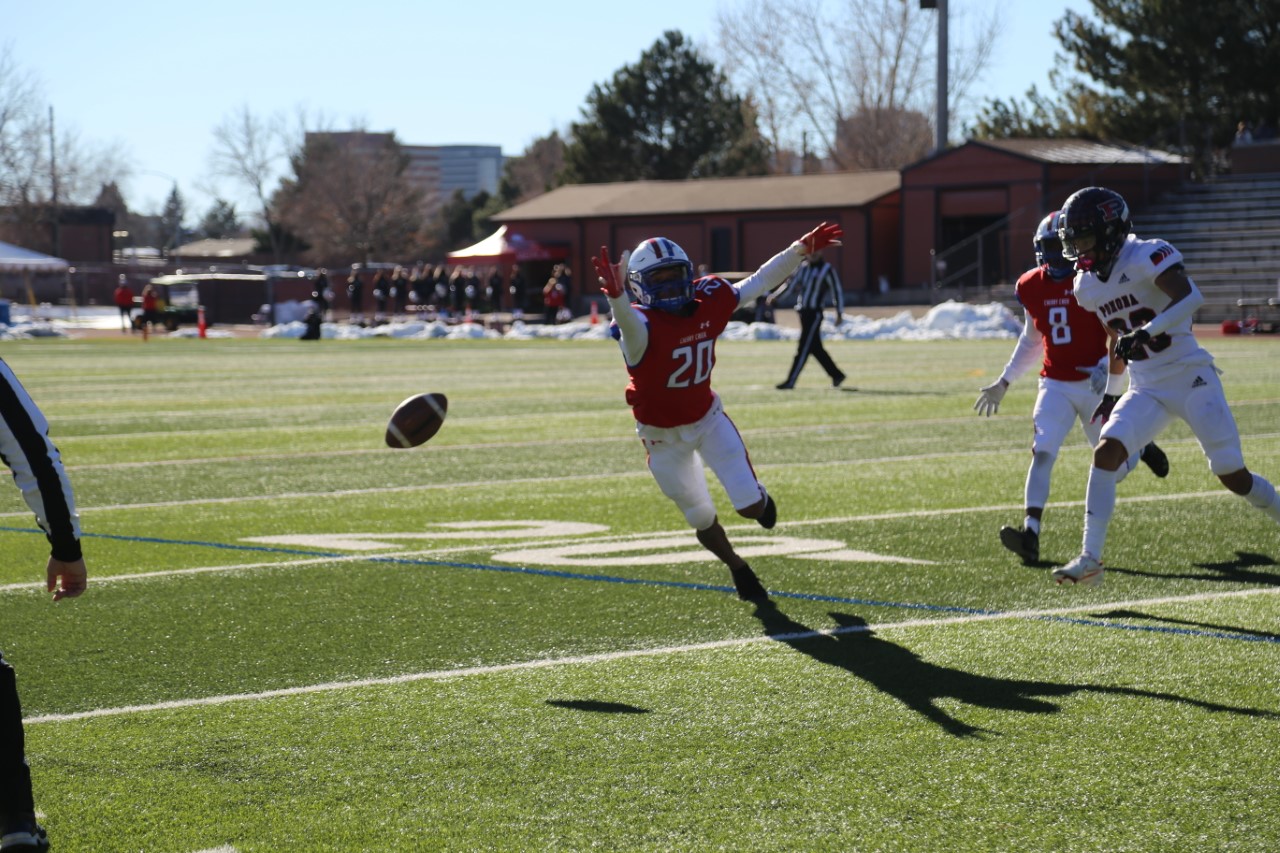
(1130, 298)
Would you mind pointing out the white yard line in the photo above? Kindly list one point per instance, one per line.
(605, 657)
(489, 545)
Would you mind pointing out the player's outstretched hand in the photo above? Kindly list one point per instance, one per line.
(826, 234)
(609, 274)
(988, 402)
(66, 579)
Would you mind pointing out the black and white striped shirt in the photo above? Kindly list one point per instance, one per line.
(37, 467)
(816, 285)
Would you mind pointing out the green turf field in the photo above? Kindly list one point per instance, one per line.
(296, 638)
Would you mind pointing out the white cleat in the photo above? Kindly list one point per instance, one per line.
(1084, 570)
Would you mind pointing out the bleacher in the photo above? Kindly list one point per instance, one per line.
(1228, 231)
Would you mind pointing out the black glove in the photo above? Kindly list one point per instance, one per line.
(1130, 346)
(1104, 408)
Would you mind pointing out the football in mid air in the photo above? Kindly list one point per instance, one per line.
(416, 420)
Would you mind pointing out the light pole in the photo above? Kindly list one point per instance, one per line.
(940, 97)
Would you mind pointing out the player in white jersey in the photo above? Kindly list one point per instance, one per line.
(1070, 344)
(1142, 293)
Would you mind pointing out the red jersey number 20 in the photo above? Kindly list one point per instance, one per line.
(693, 366)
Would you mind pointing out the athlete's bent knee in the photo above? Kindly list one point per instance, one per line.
(1109, 455)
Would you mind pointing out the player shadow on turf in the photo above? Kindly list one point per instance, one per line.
(596, 706)
(1203, 626)
(1240, 570)
(919, 684)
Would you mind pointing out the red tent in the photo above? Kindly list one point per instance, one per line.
(506, 247)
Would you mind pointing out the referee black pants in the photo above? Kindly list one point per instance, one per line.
(15, 777)
(811, 344)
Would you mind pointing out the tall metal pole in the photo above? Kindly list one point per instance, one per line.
(53, 181)
(940, 131)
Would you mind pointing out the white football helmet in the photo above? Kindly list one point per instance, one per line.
(660, 275)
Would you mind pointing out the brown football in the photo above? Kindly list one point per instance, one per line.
(416, 420)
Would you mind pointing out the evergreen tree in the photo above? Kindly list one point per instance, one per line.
(175, 210)
(670, 116)
(1176, 74)
(221, 220)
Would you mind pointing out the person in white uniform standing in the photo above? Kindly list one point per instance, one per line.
(1142, 293)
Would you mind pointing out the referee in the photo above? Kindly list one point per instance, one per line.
(38, 473)
(813, 283)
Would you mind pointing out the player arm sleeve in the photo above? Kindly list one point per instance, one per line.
(773, 273)
(632, 329)
(1180, 310)
(837, 291)
(1026, 354)
(37, 468)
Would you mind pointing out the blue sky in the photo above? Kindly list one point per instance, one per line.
(155, 78)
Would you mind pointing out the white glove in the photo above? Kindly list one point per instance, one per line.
(1097, 376)
(989, 400)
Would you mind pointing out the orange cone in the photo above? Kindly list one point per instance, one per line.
(595, 314)
(201, 326)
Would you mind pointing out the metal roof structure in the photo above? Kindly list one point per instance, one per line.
(707, 195)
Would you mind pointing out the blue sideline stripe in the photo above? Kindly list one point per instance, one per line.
(702, 587)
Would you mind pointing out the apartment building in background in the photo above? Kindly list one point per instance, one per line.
(438, 170)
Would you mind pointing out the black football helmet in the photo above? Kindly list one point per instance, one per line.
(1048, 246)
(1094, 219)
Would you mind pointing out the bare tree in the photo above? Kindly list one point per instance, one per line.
(854, 79)
(537, 170)
(349, 197)
(37, 163)
(251, 151)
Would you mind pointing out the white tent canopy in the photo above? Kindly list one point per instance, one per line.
(17, 259)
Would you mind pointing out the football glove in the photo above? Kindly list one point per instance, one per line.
(1104, 408)
(821, 237)
(1097, 376)
(988, 402)
(1130, 346)
(609, 274)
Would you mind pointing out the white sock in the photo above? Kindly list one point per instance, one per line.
(1263, 496)
(1099, 506)
(1031, 523)
(1036, 491)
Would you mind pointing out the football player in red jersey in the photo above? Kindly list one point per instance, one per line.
(667, 323)
(1071, 344)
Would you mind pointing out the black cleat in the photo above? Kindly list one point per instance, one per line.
(784, 386)
(837, 381)
(748, 585)
(1155, 459)
(1024, 543)
(24, 835)
(769, 517)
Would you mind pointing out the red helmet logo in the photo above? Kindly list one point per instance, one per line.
(1111, 208)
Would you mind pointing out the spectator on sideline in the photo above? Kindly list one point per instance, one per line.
(322, 294)
(355, 295)
(123, 298)
(554, 296)
(150, 310)
(39, 474)
(668, 343)
(380, 288)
